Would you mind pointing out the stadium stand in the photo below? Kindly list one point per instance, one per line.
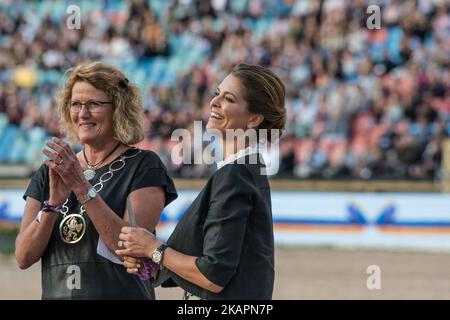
(362, 104)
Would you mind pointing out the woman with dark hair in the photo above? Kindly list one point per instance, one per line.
(223, 247)
(76, 204)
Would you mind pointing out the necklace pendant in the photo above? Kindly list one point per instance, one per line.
(72, 228)
(89, 174)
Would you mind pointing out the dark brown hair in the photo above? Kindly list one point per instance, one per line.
(264, 93)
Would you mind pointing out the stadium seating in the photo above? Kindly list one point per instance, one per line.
(354, 95)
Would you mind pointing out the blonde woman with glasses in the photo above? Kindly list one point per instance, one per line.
(76, 204)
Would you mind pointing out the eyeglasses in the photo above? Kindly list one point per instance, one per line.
(91, 106)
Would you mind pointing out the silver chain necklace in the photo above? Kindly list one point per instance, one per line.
(89, 173)
(73, 225)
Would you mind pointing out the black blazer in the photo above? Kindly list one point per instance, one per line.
(229, 227)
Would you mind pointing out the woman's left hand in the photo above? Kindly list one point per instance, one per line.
(65, 162)
(137, 242)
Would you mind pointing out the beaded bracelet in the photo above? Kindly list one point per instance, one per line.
(148, 266)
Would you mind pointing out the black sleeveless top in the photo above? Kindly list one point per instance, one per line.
(76, 271)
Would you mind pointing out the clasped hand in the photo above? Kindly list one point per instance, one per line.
(136, 243)
(65, 172)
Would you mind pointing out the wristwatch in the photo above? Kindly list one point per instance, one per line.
(91, 194)
(158, 253)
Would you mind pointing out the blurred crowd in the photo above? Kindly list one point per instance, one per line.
(362, 103)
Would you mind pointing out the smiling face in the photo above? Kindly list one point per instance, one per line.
(96, 127)
(228, 107)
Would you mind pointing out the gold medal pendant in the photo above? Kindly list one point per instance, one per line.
(72, 228)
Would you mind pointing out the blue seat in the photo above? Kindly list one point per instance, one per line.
(3, 122)
(7, 141)
(145, 64)
(154, 72)
(18, 147)
(393, 43)
(238, 6)
(159, 6)
(35, 138)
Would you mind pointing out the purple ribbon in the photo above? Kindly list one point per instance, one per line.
(145, 272)
(48, 207)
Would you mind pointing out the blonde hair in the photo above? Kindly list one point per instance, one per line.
(125, 97)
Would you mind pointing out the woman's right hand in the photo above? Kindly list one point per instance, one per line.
(59, 191)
